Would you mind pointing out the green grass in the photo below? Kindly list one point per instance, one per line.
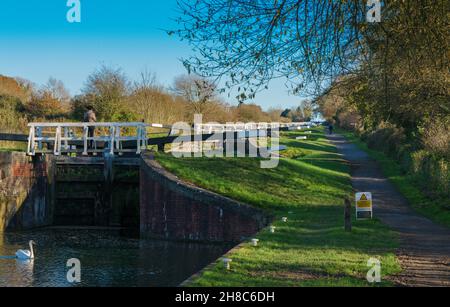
(308, 187)
(434, 209)
(12, 146)
(12, 149)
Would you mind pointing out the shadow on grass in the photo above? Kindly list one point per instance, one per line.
(309, 146)
(293, 183)
(330, 164)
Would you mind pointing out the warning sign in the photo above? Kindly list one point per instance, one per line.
(364, 205)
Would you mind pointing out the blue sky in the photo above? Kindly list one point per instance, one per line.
(37, 42)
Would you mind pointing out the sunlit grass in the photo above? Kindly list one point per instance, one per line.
(309, 188)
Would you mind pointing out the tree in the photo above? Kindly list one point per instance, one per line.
(44, 105)
(57, 90)
(28, 88)
(275, 115)
(11, 87)
(107, 88)
(79, 105)
(302, 113)
(305, 111)
(197, 91)
(11, 116)
(400, 65)
(250, 113)
(153, 104)
(252, 42)
(287, 114)
(12, 99)
(144, 95)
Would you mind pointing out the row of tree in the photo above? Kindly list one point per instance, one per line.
(405, 81)
(115, 97)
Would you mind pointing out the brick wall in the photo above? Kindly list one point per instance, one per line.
(25, 189)
(171, 209)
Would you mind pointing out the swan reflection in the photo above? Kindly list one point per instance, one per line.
(24, 271)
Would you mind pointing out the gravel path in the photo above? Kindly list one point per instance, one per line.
(424, 251)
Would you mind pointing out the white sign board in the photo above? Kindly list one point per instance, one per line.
(364, 205)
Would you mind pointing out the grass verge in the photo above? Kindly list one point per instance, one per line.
(308, 187)
(405, 184)
(6, 146)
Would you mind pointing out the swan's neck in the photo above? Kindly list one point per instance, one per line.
(31, 250)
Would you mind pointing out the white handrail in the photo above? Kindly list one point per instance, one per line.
(61, 134)
(214, 128)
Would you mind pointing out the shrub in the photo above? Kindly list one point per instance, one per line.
(250, 113)
(388, 139)
(428, 164)
(11, 120)
(436, 139)
(44, 105)
(432, 173)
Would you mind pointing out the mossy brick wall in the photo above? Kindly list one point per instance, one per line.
(171, 209)
(25, 191)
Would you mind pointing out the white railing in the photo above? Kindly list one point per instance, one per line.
(62, 136)
(70, 137)
(219, 128)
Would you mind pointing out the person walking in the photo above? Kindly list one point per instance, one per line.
(331, 129)
(90, 117)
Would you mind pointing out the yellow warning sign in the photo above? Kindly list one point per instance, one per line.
(364, 202)
(364, 205)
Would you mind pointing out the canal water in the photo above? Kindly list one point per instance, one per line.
(108, 259)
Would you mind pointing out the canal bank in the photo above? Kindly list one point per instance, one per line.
(176, 210)
(306, 193)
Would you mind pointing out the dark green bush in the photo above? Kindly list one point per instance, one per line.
(430, 171)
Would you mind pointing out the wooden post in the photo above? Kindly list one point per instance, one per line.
(108, 170)
(348, 215)
(247, 146)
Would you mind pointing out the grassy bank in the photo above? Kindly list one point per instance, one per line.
(308, 187)
(12, 146)
(435, 209)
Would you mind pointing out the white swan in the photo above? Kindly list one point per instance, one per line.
(26, 254)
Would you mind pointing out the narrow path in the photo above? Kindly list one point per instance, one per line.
(424, 251)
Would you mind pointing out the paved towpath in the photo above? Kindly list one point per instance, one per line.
(424, 251)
